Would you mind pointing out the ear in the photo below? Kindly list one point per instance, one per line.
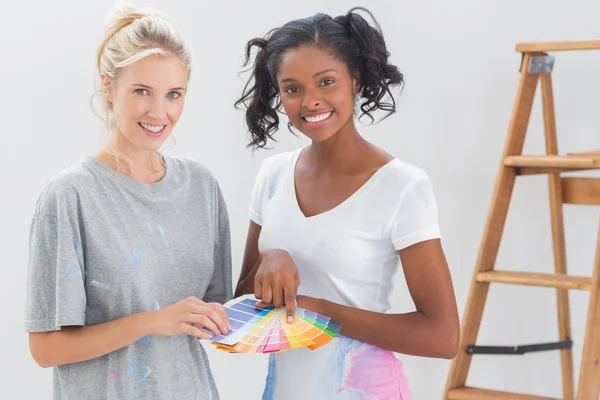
(107, 87)
(356, 83)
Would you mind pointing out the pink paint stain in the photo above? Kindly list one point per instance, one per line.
(114, 375)
(376, 373)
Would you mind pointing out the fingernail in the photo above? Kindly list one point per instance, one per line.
(290, 319)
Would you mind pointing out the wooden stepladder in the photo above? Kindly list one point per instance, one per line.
(536, 66)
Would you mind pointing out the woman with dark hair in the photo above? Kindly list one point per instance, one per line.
(331, 223)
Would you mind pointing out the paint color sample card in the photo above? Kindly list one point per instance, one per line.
(258, 330)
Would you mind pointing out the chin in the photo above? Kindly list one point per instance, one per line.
(319, 137)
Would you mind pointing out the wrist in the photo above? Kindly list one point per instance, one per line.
(146, 323)
(321, 306)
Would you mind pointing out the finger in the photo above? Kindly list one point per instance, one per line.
(204, 321)
(218, 307)
(267, 294)
(258, 287)
(260, 304)
(194, 300)
(194, 331)
(223, 314)
(219, 319)
(278, 293)
(290, 300)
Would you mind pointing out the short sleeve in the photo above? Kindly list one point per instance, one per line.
(416, 216)
(267, 183)
(258, 192)
(220, 288)
(55, 280)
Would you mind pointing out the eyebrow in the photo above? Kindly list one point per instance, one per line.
(149, 87)
(314, 76)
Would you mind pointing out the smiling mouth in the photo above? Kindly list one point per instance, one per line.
(153, 130)
(318, 117)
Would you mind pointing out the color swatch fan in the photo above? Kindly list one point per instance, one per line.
(265, 330)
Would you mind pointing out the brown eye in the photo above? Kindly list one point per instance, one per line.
(327, 82)
(291, 90)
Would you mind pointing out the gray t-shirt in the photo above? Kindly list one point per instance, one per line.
(104, 246)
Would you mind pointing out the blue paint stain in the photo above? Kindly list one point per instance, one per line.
(145, 340)
(138, 370)
(272, 189)
(77, 244)
(268, 393)
(135, 259)
(152, 300)
(335, 367)
(73, 269)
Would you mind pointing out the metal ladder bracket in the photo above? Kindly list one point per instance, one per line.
(541, 64)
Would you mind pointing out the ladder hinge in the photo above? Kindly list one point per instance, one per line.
(541, 64)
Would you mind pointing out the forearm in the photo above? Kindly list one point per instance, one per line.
(83, 343)
(412, 333)
(246, 285)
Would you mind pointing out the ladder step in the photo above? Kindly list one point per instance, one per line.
(558, 46)
(558, 281)
(469, 393)
(571, 161)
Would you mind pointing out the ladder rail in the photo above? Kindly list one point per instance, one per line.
(494, 226)
(558, 235)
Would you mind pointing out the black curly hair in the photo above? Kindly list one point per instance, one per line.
(350, 38)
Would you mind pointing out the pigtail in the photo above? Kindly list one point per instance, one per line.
(259, 96)
(377, 75)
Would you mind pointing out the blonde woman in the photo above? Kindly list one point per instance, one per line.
(130, 249)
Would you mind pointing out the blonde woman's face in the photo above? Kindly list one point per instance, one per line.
(148, 98)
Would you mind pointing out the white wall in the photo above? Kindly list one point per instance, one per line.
(461, 73)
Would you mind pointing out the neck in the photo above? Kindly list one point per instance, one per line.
(121, 155)
(343, 152)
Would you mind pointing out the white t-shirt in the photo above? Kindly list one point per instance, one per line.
(347, 255)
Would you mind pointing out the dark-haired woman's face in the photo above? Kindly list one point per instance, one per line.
(317, 92)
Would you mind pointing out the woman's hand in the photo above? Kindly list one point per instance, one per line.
(276, 281)
(187, 317)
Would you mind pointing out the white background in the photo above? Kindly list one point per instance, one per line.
(461, 72)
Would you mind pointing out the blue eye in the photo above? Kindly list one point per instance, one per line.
(174, 95)
(142, 92)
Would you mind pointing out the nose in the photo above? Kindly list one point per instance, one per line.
(311, 99)
(157, 109)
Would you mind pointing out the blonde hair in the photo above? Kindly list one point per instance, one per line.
(130, 36)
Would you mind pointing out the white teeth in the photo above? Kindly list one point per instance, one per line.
(152, 128)
(317, 118)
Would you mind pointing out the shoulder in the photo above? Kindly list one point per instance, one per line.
(402, 175)
(193, 167)
(276, 165)
(279, 161)
(62, 192)
(194, 174)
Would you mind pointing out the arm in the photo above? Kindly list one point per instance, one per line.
(82, 343)
(250, 261)
(220, 286)
(271, 275)
(430, 331)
